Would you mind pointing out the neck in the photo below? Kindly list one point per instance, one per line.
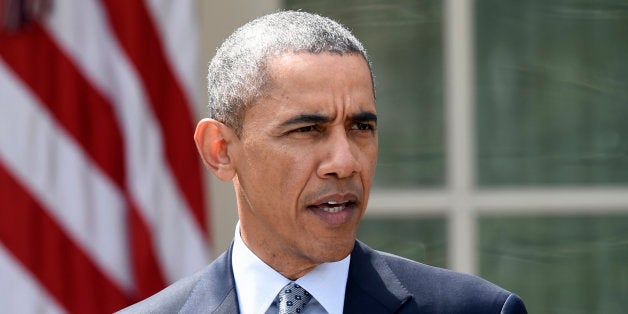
(285, 264)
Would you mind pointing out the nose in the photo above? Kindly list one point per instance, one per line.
(340, 157)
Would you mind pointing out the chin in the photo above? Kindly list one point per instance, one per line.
(336, 251)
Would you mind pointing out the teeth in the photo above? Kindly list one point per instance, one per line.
(334, 209)
(334, 206)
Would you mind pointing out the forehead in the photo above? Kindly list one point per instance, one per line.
(309, 66)
(298, 79)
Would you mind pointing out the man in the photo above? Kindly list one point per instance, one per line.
(294, 126)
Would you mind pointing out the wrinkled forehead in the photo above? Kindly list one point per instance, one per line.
(318, 82)
(274, 65)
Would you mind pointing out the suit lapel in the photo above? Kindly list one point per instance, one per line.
(215, 290)
(372, 287)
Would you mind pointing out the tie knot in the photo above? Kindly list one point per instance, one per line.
(292, 299)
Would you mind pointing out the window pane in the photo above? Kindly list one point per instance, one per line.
(403, 39)
(569, 265)
(552, 91)
(422, 240)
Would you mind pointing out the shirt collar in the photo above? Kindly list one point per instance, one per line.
(257, 284)
(327, 283)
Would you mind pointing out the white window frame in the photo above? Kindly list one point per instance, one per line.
(461, 202)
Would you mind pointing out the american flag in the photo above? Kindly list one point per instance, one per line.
(101, 194)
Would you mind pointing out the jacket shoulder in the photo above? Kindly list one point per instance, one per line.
(169, 300)
(210, 289)
(439, 290)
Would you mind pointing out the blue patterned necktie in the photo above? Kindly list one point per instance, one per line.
(292, 299)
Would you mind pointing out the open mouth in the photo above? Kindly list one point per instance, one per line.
(333, 207)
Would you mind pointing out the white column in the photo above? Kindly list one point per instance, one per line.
(459, 108)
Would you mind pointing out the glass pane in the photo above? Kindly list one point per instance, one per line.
(403, 39)
(565, 265)
(552, 91)
(422, 240)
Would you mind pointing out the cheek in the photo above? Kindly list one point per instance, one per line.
(370, 158)
(293, 172)
(279, 170)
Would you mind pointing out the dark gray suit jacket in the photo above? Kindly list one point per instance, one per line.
(377, 283)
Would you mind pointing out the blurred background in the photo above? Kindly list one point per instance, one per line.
(503, 145)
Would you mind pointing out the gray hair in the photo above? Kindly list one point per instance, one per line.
(237, 74)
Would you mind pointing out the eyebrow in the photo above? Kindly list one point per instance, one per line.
(306, 119)
(364, 116)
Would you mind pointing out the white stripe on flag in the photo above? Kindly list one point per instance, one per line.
(54, 168)
(181, 245)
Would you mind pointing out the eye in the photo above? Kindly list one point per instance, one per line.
(360, 126)
(304, 129)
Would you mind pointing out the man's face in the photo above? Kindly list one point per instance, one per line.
(305, 160)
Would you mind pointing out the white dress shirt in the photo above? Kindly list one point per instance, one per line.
(257, 284)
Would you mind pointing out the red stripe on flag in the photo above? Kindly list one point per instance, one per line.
(147, 274)
(88, 117)
(43, 248)
(137, 34)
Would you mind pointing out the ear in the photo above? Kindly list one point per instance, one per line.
(212, 141)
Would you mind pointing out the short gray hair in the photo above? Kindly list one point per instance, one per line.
(237, 74)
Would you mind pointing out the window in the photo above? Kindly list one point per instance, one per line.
(503, 141)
